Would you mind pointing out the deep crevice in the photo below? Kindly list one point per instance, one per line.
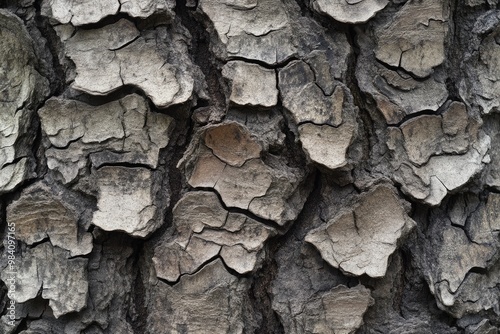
(197, 270)
(113, 96)
(58, 79)
(265, 65)
(201, 53)
(139, 321)
(369, 140)
(260, 293)
(124, 164)
(172, 177)
(260, 296)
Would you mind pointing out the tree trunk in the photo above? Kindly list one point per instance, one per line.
(244, 166)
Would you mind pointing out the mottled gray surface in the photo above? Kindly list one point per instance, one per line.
(244, 166)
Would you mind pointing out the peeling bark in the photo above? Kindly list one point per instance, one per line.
(241, 166)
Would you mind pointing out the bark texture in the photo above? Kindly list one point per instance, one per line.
(250, 166)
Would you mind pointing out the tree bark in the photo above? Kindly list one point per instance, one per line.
(239, 166)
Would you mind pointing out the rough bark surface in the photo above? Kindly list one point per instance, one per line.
(245, 166)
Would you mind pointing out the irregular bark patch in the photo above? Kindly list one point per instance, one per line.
(361, 241)
(21, 89)
(86, 12)
(124, 131)
(49, 270)
(204, 230)
(116, 55)
(235, 170)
